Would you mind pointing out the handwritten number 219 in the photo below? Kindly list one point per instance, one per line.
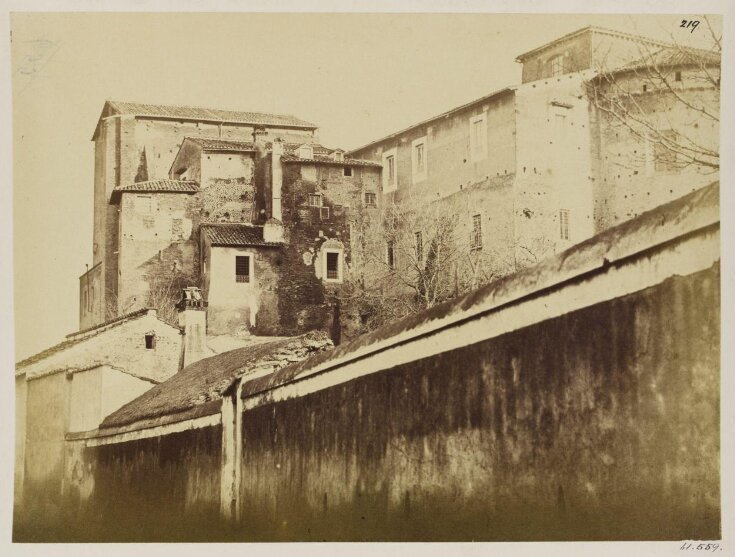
(686, 23)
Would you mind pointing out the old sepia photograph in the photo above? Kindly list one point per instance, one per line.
(326, 276)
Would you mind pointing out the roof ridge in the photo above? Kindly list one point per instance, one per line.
(594, 29)
(203, 108)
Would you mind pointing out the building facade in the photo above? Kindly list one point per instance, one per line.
(575, 169)
(246, 206)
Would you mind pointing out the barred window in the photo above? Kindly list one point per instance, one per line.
(242, 268)
(564, 224)
(370, 199)
(476, 239)
(333, 265)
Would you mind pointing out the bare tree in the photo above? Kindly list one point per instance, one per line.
(669, 100)
(414, 254)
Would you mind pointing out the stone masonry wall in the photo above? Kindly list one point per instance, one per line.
(628, 179)
(158, 251)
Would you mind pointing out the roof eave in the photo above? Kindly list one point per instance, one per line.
(486, 98)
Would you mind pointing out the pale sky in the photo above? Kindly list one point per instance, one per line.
(358, 77)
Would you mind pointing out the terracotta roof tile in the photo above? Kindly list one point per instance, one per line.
(209, 114)
(155, 186)
(219, 144)
(235, 234)
(205, 381)
(328, 160)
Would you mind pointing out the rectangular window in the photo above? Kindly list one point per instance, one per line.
(390, 177)
(664, 156)
(332, 265)
(348, 171)
(677, 76)
(332, 270)
(557, 66)
(242, 268)
(370, 199)
(564, 224)
(418, 159)
(324, 213)
(315, 200)
(476, 239)
(419, 247)
(150, 341)
(478, 137)
(391, 256)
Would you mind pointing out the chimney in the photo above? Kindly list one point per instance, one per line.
(273, 228)
(276, 179)
(193, 320)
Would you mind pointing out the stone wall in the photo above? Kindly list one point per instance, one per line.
(628, 178)
(553, 166)
(448, 158)
(228, 192)
(158, 249)
(568, 429)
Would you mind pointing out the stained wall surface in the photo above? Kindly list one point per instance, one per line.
(568, 429)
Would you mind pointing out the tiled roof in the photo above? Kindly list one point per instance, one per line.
(205, 381)
(218, 144)
(590, 29)
(155, 186)
(166, 185)
(328, 160)
(667, 57)
(236, 234)
(209, 114)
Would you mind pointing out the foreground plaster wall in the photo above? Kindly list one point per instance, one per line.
(571, 429)
(163, 488)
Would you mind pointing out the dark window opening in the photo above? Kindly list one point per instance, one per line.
(332, 265)
(242, 268)
(677, 76)
(391, 256)
(348, 171)
(645, 88)
(150, 341)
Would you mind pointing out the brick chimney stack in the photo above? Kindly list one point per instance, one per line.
(193, 319)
